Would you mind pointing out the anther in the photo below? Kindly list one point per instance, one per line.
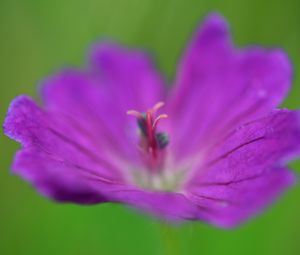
(162, 140)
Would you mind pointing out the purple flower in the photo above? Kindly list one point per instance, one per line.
(216, 151)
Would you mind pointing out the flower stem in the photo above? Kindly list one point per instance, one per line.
(170, 239)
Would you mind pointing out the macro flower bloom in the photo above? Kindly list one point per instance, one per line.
(213, 148)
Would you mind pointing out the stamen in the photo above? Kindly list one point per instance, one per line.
(162, 140)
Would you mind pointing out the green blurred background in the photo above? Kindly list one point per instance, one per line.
(38, 37)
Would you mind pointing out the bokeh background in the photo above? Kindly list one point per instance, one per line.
(38, 37)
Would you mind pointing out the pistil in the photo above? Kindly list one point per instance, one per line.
(152, 143)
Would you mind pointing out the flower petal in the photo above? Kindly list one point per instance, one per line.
(55, 179)
(84, 102)
(169, 206)
(129, 76)
(219, 87)
(48, 138)
(271, 140)
(245, 173)
(230, 203)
